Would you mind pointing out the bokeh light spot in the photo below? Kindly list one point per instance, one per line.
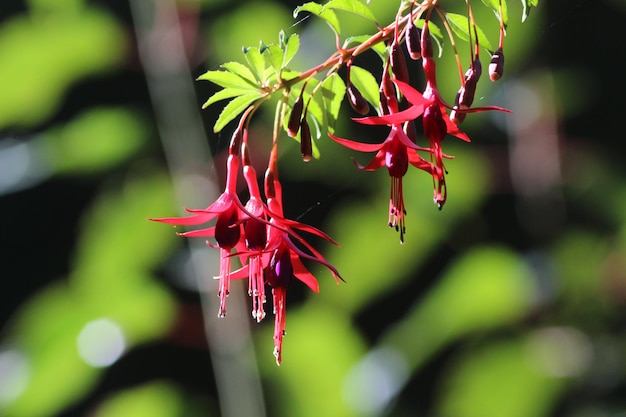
(14, 375)
(101, 342)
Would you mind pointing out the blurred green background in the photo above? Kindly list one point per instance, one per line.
(509, 302)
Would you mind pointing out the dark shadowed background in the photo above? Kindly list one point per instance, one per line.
(509, 302)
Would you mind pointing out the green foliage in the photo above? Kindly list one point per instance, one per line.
(66, 47)
(156, 399)
(528, 4)
(461, 27)
(327, 11)
(111, 279)
(97, 140)
(498, 379)
(497, 6)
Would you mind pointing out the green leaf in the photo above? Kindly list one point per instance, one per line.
(325, 13)
(257, 62)
(234, 108)
(224, 94)
(432, 27)
(292, 44)
(460, 24)
(333, 90)
(115, 134)
(240, 70)
(227, 79)
(366, 83)
(527, 5)
(495, 6)
(274, 56)
(352, 6)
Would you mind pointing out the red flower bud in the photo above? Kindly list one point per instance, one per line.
(413, 38)
(398, 64)
(306, 147)
(465, 95)
(388, 101)
(357, 102)
(293, 125)
(426, 42)
(496, 66)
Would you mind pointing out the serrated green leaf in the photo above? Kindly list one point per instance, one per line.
(366, 83)
(257, 62)
(292, 44)
(352, 6)
(460, 24)
(528, 4)
(333, 90)
(240, 70)
(234, 108)
(275, 57)
(224, 94)
(227, 79)
(495, 6)
(320, 11)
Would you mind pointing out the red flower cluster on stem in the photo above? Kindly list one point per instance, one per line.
(268, 245)
(399, 149)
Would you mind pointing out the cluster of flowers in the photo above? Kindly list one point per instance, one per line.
(268, 245)
(400, 148)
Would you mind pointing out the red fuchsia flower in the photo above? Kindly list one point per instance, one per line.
(285, 261)
(432, 107)
(274, 250)
(227, 231)
(395, 153)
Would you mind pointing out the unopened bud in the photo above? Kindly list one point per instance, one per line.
(457, 117)
(467, 92)
(306, 147)
(398, 64)
(426, 42)
(357, 102)
(413, 38)
(496, 66)
(293, 125)
(388, 101)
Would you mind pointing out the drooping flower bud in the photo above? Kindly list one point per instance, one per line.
(465, 95)
(398, 63)
(496, 66)
(293, 125)
(413, 36)
(426, 42)
(388, 100)
(357, 101)
(306, 147)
